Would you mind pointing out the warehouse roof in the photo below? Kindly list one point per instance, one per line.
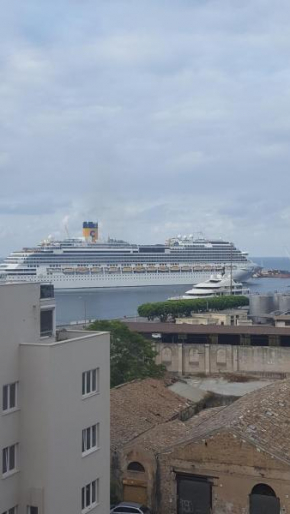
(172, 328)
(140, 405)
(261, 417)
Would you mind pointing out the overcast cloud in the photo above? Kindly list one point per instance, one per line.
(153, 117)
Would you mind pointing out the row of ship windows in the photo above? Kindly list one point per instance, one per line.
(124, 262)
(142, 254)
(112, 277)
(133, 256)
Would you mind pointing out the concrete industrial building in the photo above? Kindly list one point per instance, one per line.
(190, 349)
(226, 317)
(54, 425)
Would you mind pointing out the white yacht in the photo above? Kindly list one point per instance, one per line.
(219, 285)
(88, 262)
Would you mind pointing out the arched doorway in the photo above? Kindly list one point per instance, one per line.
(135, 484)
(263, 500)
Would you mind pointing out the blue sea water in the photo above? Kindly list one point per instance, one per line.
(119, 302)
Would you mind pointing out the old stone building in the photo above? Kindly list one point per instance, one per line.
(226, 460)
(136, 408)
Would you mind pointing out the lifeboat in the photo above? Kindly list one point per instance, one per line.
(127, 269)
(139, 269)
(82, 270)
(68, 270)
(113, 269)
(151, 269)
(163, 268)
(96, 269)
(186, 268)
(174, 268)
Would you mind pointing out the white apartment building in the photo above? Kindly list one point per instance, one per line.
(55, 409)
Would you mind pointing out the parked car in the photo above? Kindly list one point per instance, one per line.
(130, 508)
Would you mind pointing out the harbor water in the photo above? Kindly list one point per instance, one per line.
(87, 304)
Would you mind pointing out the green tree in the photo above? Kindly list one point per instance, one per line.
(132, 356)
(173, 309)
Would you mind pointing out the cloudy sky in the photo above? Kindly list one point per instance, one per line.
(153, 117)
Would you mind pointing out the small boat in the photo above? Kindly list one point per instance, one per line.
(139, 269)
(186, 268)
(82, 270)
(68, 270)
(174, 268)
(96, 269)
(163, 268)
(127, 269)
(113, 269)
(151, 269)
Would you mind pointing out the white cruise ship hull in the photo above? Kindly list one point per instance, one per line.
(112, 280)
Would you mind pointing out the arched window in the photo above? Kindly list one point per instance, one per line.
(263, 490)
(166, 355)
(263, 500)
(136, 466)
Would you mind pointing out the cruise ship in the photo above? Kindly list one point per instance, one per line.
(87, 262)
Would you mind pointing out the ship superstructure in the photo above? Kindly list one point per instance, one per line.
(217, 285)
(88, 262)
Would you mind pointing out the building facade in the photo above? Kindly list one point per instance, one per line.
(54, 424)
(231, 317)
(225, 460)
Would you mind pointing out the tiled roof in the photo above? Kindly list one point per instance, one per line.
(141, 405)
(261, 417)
(173, 432)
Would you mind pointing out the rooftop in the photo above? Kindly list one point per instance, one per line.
(261, 417)
(139, 406)
(172, 328)
(169, 434)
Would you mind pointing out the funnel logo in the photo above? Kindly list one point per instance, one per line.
(93, 233)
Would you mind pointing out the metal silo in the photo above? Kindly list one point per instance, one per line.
(284, 302)
(261, 304)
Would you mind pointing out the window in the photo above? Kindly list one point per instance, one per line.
(9, 459)
(46, 322)
(90, 495)
(9, 396)
(32, 510)
(14, 510)
(90, 382)
(90, 438)
(136, 466)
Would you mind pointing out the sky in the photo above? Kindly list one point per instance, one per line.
(154, 118)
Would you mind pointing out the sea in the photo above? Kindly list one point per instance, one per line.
(115, 303)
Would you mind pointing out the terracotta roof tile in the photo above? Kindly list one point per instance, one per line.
(261, 417)
(139, 406)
